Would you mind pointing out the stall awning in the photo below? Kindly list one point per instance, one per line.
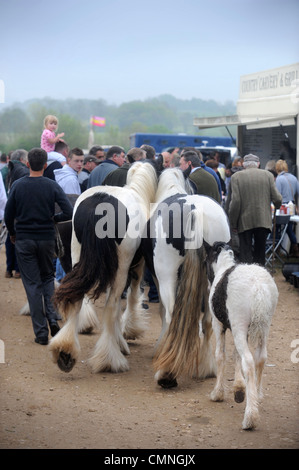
(250, 122)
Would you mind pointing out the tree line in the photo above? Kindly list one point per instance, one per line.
(21, 124)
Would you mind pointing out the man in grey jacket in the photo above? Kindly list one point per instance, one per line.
(252, 192)
(115, 158)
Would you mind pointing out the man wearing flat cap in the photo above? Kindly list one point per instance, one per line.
(89, 163)
(252, 192)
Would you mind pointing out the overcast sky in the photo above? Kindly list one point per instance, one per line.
(123, 50)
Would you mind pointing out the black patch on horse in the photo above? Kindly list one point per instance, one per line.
(116, 214)
(174, 212)
(219, 299)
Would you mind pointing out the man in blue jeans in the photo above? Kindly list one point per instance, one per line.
(29, 218)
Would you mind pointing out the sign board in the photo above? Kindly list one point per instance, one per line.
(269, 93)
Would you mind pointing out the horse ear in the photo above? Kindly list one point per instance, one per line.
(218, 246)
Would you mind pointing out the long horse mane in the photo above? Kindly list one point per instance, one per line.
(172, 181)
(142, 180)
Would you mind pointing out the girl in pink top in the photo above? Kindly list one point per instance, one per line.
(49, 138)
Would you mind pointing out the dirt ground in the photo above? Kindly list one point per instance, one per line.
(45, 408)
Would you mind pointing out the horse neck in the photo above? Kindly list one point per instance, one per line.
(169, 190)
(172, 182)
(144, 190)
(224, 262)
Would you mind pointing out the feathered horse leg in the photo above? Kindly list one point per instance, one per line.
(88, 320)
(65, 345)
(111, 346)
(134, 319)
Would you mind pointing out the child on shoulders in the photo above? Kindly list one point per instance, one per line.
(48, 137)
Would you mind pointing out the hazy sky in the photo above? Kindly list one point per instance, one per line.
(122, 50)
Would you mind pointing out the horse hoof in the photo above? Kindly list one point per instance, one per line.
(167, 382)
(65, 362)
(239, 396)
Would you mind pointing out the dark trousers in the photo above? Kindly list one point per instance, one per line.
(291, 234)
(253, 246)
(35, 259)
(152, 293)
(11, 258)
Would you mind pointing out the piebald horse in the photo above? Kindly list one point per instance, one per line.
(181, 223)
(107, 226)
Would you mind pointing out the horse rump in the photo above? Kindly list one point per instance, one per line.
(98, 263)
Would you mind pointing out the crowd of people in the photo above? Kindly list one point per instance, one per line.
(31, 183)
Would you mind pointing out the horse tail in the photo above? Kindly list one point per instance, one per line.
(180, 350)
(98, 262)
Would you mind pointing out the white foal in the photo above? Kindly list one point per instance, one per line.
(242, 298)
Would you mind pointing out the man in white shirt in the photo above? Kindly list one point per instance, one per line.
(59, 154)
(67, 177)
(56, 159)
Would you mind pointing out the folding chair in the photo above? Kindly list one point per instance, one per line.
(275, 238)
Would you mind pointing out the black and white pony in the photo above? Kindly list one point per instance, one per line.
(242, 298)
(108, 222)
(179, 226)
